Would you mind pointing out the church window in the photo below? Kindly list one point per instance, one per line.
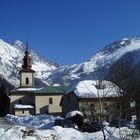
(27, 80)
(50, 101)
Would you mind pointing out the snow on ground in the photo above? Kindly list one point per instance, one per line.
(38, 121)
(57, 133)
(46, 130)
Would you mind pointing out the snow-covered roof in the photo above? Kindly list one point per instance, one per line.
(20, 106)
(95, 89)
(41, 90)
(27, 89)
(73, 113)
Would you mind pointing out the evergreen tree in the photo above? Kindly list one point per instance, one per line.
(4, 100)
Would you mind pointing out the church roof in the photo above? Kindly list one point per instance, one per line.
(27, 70)
(47, 90)
(51, 90)
(24, 89)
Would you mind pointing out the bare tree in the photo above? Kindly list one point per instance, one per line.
(122, 74)
(125, 74)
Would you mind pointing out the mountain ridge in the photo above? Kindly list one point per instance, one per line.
(47, 72)
(98, 66)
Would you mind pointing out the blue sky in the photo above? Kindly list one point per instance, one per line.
(68, 31)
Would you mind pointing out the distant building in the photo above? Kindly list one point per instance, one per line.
(94, 99)
(28, 99)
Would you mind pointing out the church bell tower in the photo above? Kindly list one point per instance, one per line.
(26, 73)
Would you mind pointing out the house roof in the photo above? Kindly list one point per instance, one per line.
(96, 89)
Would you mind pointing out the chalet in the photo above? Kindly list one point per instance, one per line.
(94, 99)
(28, 99)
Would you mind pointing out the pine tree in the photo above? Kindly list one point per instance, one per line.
(4, 100)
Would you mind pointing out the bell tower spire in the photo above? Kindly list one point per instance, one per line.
(27, 59)
(26, 73)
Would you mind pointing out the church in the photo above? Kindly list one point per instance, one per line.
(29, 99)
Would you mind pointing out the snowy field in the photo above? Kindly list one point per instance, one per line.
(41, 128)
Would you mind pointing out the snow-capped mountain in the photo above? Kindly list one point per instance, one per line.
(11, 59)
(99, 65)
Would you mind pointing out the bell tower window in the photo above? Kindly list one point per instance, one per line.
(27, 80)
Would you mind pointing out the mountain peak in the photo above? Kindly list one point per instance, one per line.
(19, 45)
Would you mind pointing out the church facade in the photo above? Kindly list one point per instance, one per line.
(28, 99)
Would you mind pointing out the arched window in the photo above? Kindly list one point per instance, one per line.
(27, 80)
